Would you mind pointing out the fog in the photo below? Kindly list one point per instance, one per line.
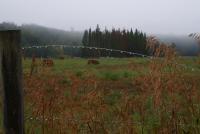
(151, 16)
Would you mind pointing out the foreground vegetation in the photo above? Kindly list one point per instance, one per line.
(119, 95)
(131, 95)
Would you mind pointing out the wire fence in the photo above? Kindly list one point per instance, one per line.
(106, 49)
(84, 121)
(86, 47)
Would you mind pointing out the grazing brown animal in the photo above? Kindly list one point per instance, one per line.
(94, 62)
(47, 62)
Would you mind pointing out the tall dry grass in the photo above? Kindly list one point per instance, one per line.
(175, 96)
(164, 100)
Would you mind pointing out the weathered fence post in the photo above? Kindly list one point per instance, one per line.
(11, 71)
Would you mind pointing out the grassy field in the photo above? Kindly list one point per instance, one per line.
(119, 67)
(120, 95)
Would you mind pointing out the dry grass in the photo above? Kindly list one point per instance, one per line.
(162, 100)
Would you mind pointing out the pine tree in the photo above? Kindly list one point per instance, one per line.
(115, 39)
(85, 39)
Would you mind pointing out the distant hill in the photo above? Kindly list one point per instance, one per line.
(39, 35)
(184, 45)
(33, 34)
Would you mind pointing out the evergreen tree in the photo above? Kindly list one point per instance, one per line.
(85, 39)
(115, 39)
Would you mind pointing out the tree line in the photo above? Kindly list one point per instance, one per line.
(125, 40)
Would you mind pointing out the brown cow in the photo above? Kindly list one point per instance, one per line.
(47, 62)
(94, 62)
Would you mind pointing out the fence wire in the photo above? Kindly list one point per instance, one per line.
(82, 47)
(81, 121)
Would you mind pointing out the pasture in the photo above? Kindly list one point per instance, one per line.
(120, 95)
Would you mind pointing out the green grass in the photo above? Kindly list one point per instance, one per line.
(109, 68)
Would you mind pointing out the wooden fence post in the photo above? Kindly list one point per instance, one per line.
(11, 71)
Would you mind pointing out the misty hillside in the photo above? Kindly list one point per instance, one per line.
(39, 35)
(184, 45)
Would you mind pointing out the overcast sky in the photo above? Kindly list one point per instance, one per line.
(151, 16)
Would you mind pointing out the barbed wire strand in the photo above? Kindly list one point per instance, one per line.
(99, 48)
(82, 47)
(40, 119)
